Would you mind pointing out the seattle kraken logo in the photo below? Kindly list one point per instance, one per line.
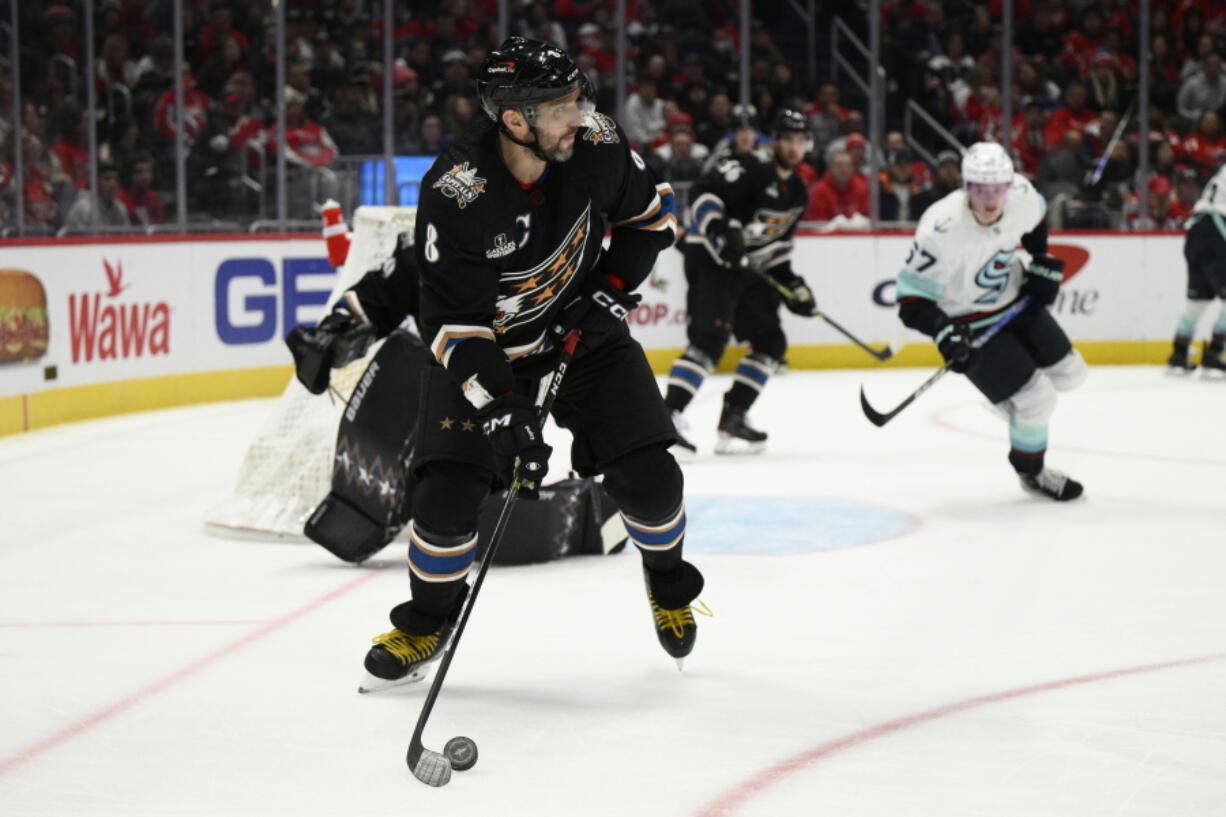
(994, 277)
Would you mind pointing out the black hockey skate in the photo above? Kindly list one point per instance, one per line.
(1179, 360)
(1212, 360)
(736, 436)
(683, 429)
(1052, 484)
(403, 654)
(671, 595)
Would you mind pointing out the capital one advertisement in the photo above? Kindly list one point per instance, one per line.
(115, 311)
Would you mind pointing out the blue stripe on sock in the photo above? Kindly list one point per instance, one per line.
(441, 566)
(688, 375)
(653, 538)
(753, 373)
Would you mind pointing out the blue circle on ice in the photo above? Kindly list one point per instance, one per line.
(779, 525)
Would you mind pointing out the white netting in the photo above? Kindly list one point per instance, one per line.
(287, 469)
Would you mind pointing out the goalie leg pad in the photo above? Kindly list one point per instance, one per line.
(345, 531)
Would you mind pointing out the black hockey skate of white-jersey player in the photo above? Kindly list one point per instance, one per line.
(744, 215)
(508, 235)
(1204, 250)
(964, 270)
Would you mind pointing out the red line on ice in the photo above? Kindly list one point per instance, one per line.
(737, 796)
(101, 716)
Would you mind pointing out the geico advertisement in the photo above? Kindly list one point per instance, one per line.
(117, 311)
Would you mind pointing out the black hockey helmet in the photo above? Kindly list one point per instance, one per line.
(789, 121)
(523, 73)
(744, 116)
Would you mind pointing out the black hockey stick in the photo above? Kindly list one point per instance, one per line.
(434, 768)
(878, 419)
(880, 354)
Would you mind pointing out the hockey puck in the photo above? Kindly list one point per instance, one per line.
(462, 753)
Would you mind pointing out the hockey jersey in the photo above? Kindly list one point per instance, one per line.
(969, 270)
(747, 188)
(1213, 197)
(498, 261)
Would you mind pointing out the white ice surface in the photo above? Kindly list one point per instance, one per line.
(977, 652)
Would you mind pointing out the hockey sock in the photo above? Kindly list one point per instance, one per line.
(658, 540)
(437, 567)
(686, 377)
(749, 379)
(1186, 327)
(1219, 332)
(1028, 444)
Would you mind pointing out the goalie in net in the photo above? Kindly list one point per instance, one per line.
(336, 466)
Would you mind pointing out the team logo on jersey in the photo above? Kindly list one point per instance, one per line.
(767, 224)
(601, 130)
(527, 294)
(501, 247)
(462, 184)
(994, 276)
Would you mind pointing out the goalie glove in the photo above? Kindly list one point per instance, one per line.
(801, 300)
(339, 339)
(1042, 280)
(726, 235)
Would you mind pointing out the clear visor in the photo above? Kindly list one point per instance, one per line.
(574, 112)
(987, 195)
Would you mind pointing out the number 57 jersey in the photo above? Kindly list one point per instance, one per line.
(969, 269)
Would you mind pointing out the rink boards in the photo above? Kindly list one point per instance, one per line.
(135, 324)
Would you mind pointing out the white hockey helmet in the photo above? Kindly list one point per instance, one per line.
(986, 163)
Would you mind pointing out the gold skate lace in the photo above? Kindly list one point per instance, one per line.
(677, 620)
(407, 648)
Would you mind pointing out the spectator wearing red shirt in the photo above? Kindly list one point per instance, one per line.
(195, 111)
(1166, 211)
(143, 204)
(841, 192)
(308, 141)
(1029, 142)
(72, 149)
(220, 26)
(1205, 148)
(1074, 116)
(1079, 46)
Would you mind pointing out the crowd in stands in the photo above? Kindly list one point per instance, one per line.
(1073, 131)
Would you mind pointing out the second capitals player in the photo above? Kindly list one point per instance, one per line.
(508, 238)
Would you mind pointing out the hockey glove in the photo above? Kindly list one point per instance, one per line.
(801, 301)
(514, 431)
(954, 343)
(597, 310)
(1042, 281)
(339, 339)
(729, 242)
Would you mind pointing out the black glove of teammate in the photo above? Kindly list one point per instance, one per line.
(598, 309)
(1042, 281)
(339, 339)
(729, 242)
(511, 423)
(954, 343)
(802, 301)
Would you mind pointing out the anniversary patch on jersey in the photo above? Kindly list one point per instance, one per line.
(601, 130)
(462, 184)
(525, 294)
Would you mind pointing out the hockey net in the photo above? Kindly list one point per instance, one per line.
(287, 469)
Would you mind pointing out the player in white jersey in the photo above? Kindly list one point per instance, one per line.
(1205, 251)
(963, 272)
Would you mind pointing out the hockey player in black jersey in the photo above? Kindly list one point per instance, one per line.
(508, 235)
(743, 216)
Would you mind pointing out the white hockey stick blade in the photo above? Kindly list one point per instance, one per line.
(433, 768)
